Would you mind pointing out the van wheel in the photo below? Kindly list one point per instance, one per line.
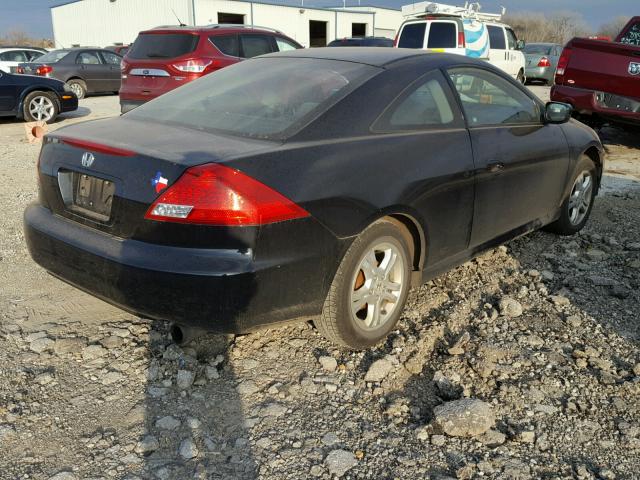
(369, 290)
(79, 87)
(576, 208)
(520, 78)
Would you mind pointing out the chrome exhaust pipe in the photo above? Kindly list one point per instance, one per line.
(182, 335)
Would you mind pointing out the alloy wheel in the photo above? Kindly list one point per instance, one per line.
(377, 286)
(42, 108)
(77, 89)
(581, 197)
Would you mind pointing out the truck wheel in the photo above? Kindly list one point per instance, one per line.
(369, 290)
(40, 107)
(576, 208)
(77, 86)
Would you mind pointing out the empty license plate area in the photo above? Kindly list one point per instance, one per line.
(87, 195)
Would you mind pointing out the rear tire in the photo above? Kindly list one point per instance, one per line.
(79, 87)
(40, 107)
(370, 288)
(576, 208)
(521, 78)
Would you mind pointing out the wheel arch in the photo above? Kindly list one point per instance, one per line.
(35, 88)
(594, 154)
(416, 237)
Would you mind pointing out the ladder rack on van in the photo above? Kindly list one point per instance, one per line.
(470, 10)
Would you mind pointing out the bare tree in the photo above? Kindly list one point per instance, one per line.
(614, 27)
(558, 27)
(19, 37)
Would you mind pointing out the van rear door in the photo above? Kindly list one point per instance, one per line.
(434, 35)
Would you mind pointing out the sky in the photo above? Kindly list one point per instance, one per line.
(33, 17)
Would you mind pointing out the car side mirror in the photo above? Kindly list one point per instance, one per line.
(520, 45)
(557, 112)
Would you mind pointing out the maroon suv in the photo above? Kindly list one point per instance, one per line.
(164, 58)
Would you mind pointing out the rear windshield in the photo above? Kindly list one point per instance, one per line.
(442, 35)
(534, 49)
(268, 98)
(412, 35)
(53, 57)
(163, 45)
(632, 35)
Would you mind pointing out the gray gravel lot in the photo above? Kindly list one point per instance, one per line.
(521, 364)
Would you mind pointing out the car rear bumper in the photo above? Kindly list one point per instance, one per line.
(605, 105)
(220, 290)
(539, 73)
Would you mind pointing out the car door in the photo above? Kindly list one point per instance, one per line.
(112, 61)
(437, 162)
(92, 70)
(498, 48)
(8, 93)
(521, 163)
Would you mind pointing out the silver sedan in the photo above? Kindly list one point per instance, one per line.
(541, 60)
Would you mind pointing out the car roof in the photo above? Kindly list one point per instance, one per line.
(377, 57)
(226, 27)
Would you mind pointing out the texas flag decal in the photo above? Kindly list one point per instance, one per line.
(159, 182)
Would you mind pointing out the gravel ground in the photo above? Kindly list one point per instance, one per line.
(521, 364)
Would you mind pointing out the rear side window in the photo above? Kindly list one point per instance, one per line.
(33, 55)
(426, 104)
(227, 44)
(632, 35)
(284, 45)
(254, 45)
(163, 45)
(412, 35)
(442, 35)
(496, 38)
(111, 58)
(13, 56)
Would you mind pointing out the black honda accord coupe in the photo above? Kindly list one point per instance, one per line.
(312, 184)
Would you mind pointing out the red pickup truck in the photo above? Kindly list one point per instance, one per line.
(602, 79)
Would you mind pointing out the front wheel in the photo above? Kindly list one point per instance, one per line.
(370, 288)
(79, 87)
(576, 208)
(40, 107)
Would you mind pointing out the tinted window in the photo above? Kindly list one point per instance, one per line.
(496, 38)
(412, 35)
(13, 56)
(88, 58)
(442, 35)
(488, 99)
(511, 39)
(53, 57)
(163, 45)
(284, 45)
(378, 42)
(536, 48)
(111, 58)
(263, 98)
(346, 42)
(632, 35)
(254, 45)
(32, 54)
(425, 105)
(227, 44)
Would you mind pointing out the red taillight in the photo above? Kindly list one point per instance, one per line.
(97, 147)
(563, 61)
(123, 66)
(43, 70)
(20, 70)
(194, 65)
(544, 62)
(461, 40)
(213, 194)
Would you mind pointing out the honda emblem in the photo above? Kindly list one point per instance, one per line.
(87, 159)
(634, 68)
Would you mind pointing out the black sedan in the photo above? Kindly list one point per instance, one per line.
(312, 184)
(84, 70)
(33, 98)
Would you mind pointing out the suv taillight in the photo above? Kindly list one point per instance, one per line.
(123, 66)
(563, 62)
(194, 65)
(44, 70)
(213, 194)
(544, 62)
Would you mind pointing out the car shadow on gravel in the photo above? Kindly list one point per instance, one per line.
(195, 423)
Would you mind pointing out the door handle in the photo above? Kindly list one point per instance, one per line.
(495, 167)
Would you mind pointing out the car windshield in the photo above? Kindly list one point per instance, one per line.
(53, 57)
(266, 98)
(537, 49)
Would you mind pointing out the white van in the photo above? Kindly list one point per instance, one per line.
(462, 30)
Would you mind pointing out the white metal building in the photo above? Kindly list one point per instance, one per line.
(112, 22)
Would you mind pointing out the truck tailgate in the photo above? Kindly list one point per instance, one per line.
(603, 66)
